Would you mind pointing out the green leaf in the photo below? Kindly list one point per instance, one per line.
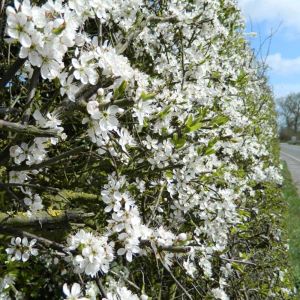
(169, 174)
(193, 125)
(237, 267)
(215, 75)
(189, 121)
(210, 151)
(220, 120)
(145, 96)
(178, 142)
(120, 91)
(165, 111)
(59, 29)
(212, 142)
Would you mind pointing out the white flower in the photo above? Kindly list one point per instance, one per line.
(131, 245)
(50, 121)
(108, 119)
(125, 139)
(34, 202)
(112, 64)
(33, 51)
(121, 293)
(92, 290)
(50, 67)
(18, 177)
(38, 16)
(164, 237)
(74, 293)
(84, 70)
(96, 253)
(68, 86)
(6, 282)
(93, 110)
(21, 249)
(18, 27)
(19, 153)
(190, 267)
(219, 294)
(143, 109)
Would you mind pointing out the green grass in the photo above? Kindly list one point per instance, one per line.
(293, 223)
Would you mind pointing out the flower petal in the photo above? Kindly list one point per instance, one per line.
(75, 291)
(66, 290)
(25, 40)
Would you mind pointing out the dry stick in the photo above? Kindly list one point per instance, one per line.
(156, 204)
(7, 110)
(34, 186)
(27, 129)
(173, 249)
(34, 81)
(51, 161)
(12, 71)
(42, 218)
(174, 278)
(126, 280)
(100, 286)
(245, 262)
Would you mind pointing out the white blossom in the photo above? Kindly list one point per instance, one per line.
(73, 293)
(21, 249)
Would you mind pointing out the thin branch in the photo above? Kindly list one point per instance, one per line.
(173, 249)
(175, 279)
(100, 286)
(34, 186)
(7, 110)
(125, 279)
(34, 81)
(7, 230)
(238, 261)
(156, 204)
(53, 160)
(27, 129)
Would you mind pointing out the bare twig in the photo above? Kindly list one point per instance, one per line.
(175, 279)
(156, 204)
(7, 230)
(245, 262)
(34, 81)
(34, 186)
(126, 280)
(100, 286)
(27, 129)
(53, 160)
(173, 249)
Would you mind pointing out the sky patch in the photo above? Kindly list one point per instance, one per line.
(277, 24)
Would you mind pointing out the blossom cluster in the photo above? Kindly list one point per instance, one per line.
(95, 253)
(158, 131)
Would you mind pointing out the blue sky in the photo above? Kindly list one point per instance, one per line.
(281, 19)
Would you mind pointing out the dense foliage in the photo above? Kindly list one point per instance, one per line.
(139, 156)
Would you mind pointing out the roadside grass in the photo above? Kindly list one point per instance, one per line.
(293, 223)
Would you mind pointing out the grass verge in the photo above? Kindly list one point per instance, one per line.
(293, 223)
